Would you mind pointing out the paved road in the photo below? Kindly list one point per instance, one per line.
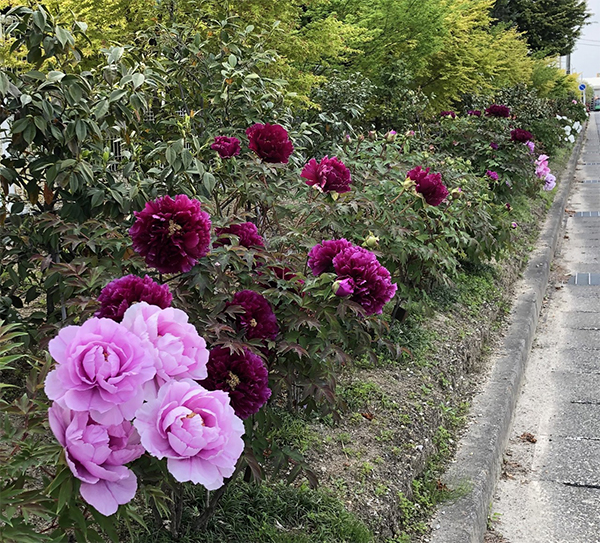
(550, 488)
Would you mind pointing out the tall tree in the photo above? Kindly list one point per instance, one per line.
(551, 26)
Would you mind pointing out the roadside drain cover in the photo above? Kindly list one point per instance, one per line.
(585, 279)
(587, 214)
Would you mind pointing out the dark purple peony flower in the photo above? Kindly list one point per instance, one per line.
(320, 257)
(497, 110)
(118, 295)
(171, 234)
(243, 376)
(448, 114)
(258, 318)
(226, 147)
(518, 134)
(270, 142)
(492, 175)
(331, 174)
(429, 185)
(369, 282)
(246, 231)
(494, 146)
(474, 112)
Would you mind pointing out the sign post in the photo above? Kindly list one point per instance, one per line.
(582, 89)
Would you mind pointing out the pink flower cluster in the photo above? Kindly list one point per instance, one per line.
(542, 171)
(123, 389)
(359, 274)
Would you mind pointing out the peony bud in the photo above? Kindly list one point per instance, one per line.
(343, 287)
(371, 241)
(390, 137)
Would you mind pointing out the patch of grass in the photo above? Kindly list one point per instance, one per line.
(277, 513)
(294, 432)
(361, 394)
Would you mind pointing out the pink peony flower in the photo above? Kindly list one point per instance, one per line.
(179, 352)
(518, 134)
(497, 110)
(243, 376)
(101, 368)
(226, 147)
(320, 257)
(371, 282)
(120, 293)
(541, 167)
(492, 175)
(549, 182)
(344, 287)
(331, 174)
(530, 146)
(171, 234)
(429, 185)
(246, 232)
(195, 429)
(270, 142)
(258, 318)
(96, 455)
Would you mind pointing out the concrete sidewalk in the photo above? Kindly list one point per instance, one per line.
(549, 491)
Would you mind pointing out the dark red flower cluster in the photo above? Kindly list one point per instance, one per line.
(448, 114)
(243, 376)
(429, 185)
(116, 297)
(474, 112)
(331, 174)
(518, 134)
(369, 281)
(270, 142)
(226, 147)
(497, 110)
(246, 232)
(320, 257)
(360, 275)
(171, 234)
(258, 319)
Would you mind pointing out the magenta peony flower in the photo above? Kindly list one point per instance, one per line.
(96, 455)
(258, 318)
(243, 376)
(331, 174)
(448, 114)
(119, 294)
(371, 282)
(474, 112)
(494, 146)
(320, 257)
(518, 134)
(226, 147)
(492, 175)
(171, 234)
(101, 368)
(497, 110)
(429, 185)
(270, 142)
(513, 225)
(549, 182)
(195, 429)
(179, 352)
(246, 232)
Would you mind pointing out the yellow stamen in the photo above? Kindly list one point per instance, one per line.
(233, 380)
(173, 227)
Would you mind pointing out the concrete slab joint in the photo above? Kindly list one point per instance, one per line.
(479, 458)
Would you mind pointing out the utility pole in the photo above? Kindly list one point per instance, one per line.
(568, 63)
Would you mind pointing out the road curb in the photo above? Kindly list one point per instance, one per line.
(478, 461)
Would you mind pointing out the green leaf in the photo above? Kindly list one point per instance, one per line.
(4, 82)
(55, 76)
(209, 182)
(117, 95)
(115, 54)
(232, 60)
(64, 36)
(39, 19)
(137, 80)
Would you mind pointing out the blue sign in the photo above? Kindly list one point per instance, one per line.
(582, 87)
